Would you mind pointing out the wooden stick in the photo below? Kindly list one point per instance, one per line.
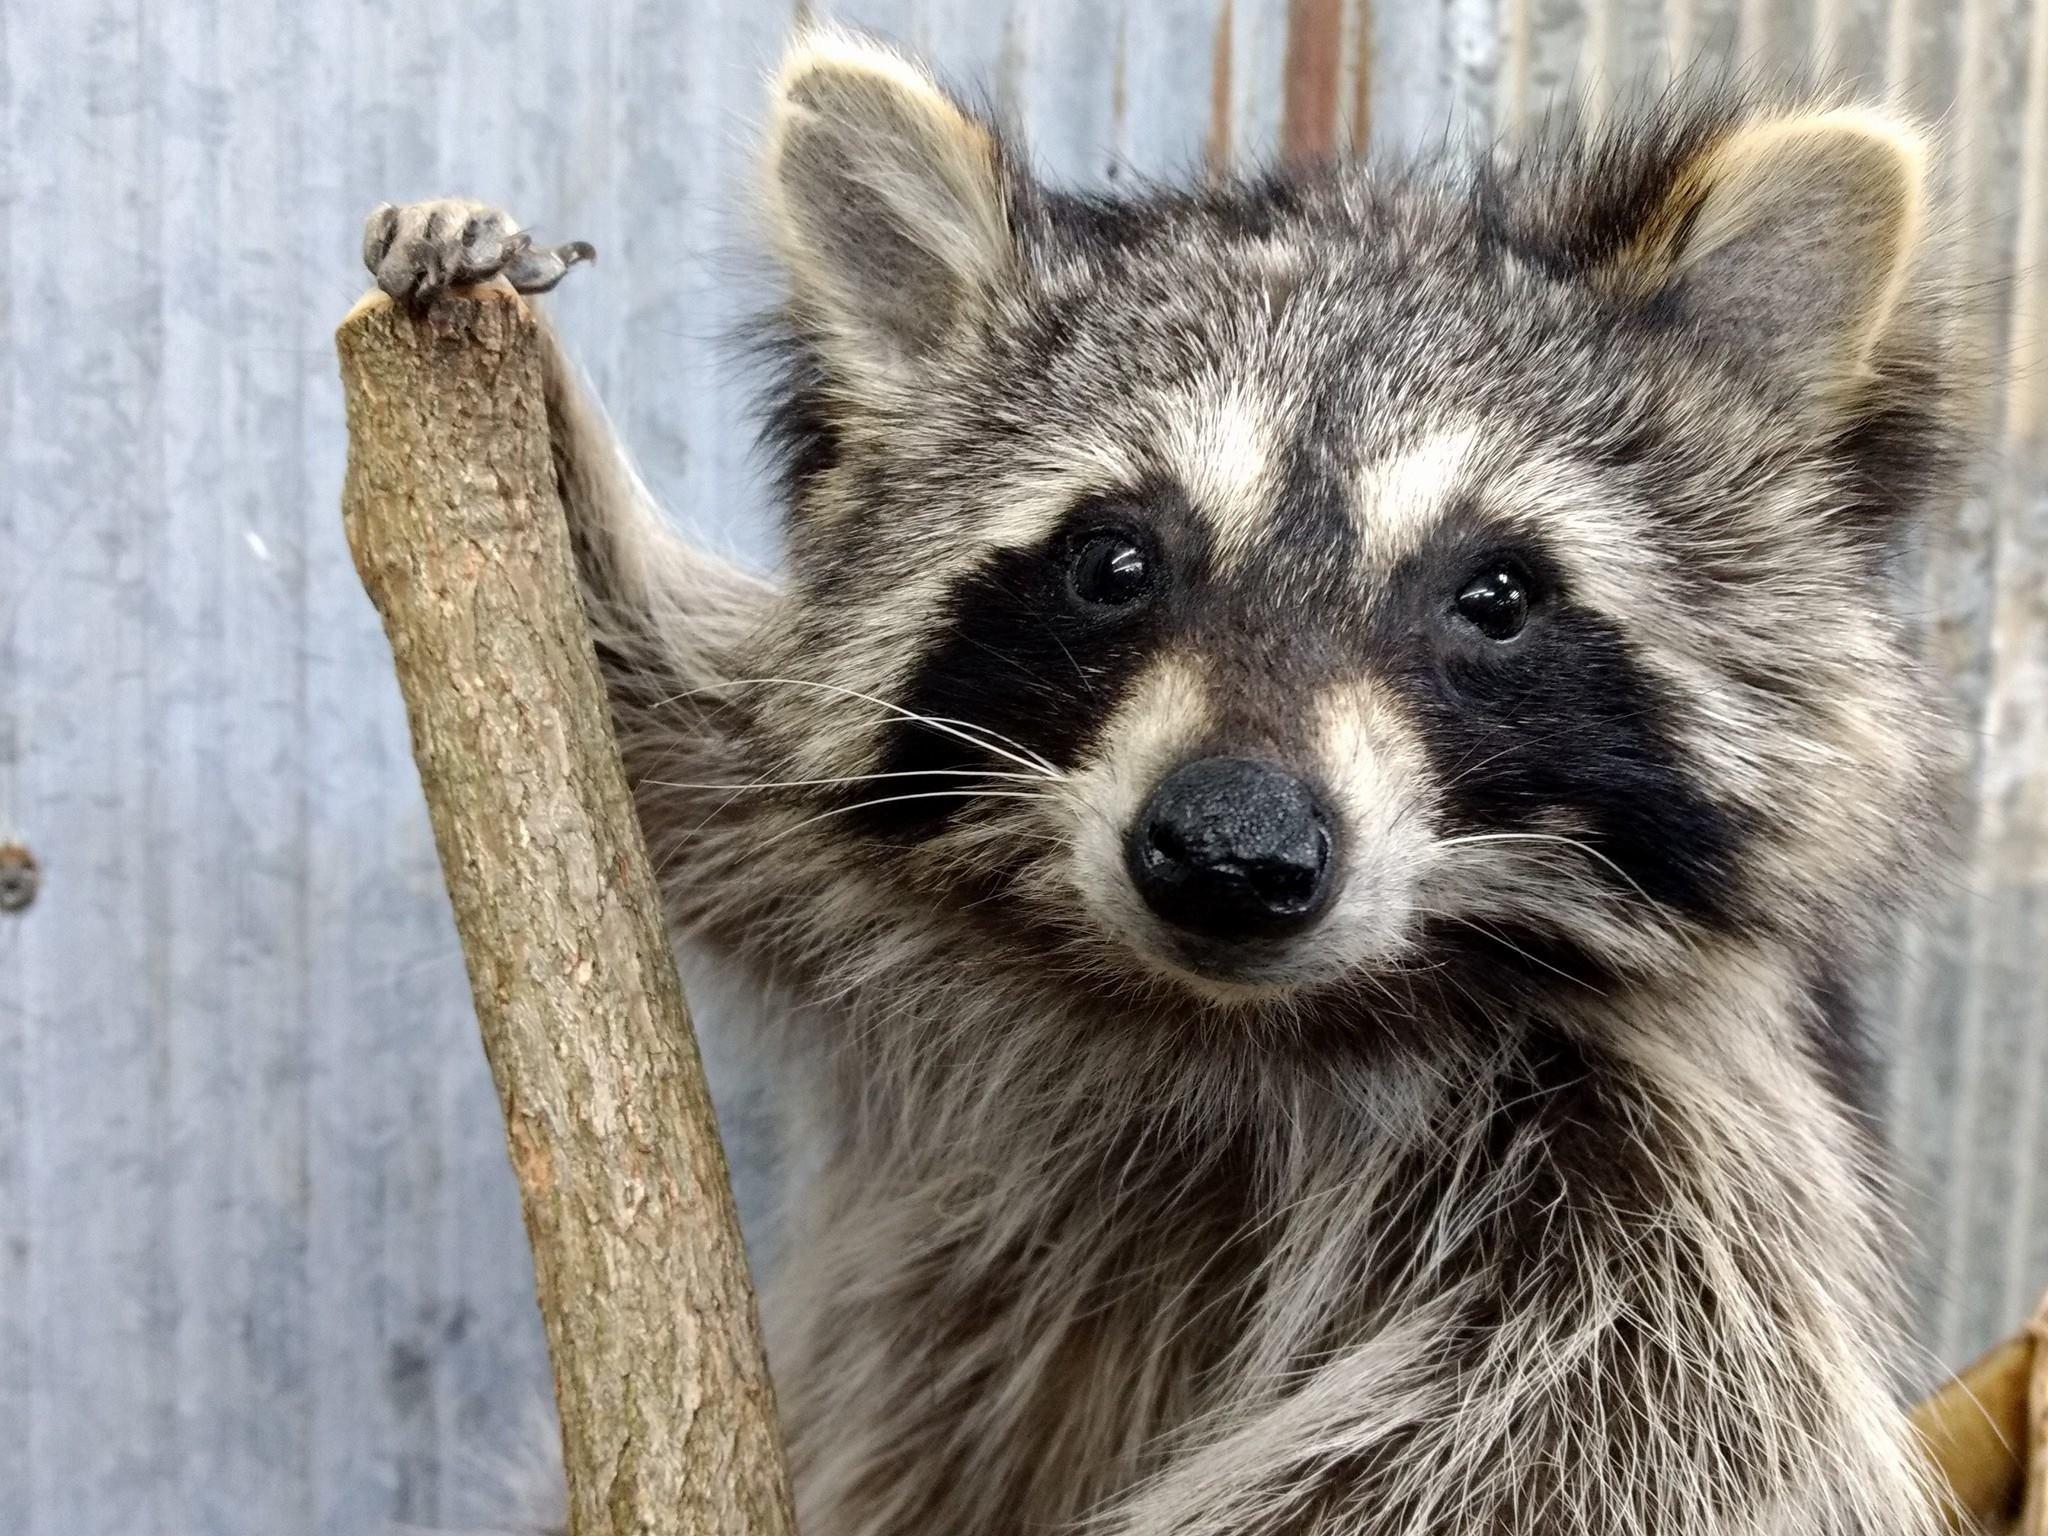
(668, 1421)
(2034, 1510)
(1974, 1427)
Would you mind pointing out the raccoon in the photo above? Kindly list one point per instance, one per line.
(1311, 804)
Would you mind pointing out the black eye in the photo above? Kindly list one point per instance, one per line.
(1108, 570)
(1496, 602)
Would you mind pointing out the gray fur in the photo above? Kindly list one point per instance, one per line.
(1379, 1238)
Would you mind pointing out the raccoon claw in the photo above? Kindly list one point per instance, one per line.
(419, 251)
(537, 268)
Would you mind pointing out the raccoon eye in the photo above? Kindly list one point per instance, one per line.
(1108, 570)
(1496, 602)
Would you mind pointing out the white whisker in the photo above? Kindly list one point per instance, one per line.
(994, 735)
(857, 778)
(1549, 837)
(967, 731)
(933, 794)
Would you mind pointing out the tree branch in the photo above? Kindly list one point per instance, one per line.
(668, 1422)
(2034, 1502)
(1982, 1428)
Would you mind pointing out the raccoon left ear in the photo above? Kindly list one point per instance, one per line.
(1792, 239)
(890, 202)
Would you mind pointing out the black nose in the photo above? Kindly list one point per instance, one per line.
(1232, 849)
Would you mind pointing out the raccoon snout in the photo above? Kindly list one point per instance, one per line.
(1233, 849)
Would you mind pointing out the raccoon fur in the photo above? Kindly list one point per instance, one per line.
(1311, 803)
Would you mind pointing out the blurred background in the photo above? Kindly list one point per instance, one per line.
(261, 1268)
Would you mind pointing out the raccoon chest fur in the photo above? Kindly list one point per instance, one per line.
(1523, 1287)
(1010, 1369)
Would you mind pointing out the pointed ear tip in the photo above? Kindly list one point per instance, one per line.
(822, 49)
(1908, 140)
(1884, 139)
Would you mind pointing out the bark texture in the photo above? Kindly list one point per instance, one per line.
(2034, 1512)
(668, 1420)
(1987, 1432)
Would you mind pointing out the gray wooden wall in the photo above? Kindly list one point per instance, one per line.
(260, 1265)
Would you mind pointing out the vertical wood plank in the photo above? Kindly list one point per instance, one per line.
(1315, 59)
(17, 1387)
(1258, 63)
(225, 699)
(1219, 147)
(1167, 85)
(1948, 1040)
(1069, 65)
(87, 482)
(1410, 102)
(2023, 627)
(1849, 41)
(17, 943)
(1473, 46)
(1999, 621)
(1543, 46)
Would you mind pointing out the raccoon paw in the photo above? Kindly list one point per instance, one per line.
(419, 251)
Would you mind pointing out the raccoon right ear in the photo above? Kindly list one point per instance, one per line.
(890, 203)
(1791, 238)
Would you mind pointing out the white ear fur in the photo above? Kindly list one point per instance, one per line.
(1795, 237)
(888, 202)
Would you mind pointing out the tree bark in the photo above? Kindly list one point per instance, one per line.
(668, 1419)
(1986, 1430)
(2034, 1507)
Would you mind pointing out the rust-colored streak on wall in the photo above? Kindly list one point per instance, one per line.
(2026, 400)
(1218, 148)
(1361, 79)
(1315, 55)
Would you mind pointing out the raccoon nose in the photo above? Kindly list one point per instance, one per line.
(1232, 849)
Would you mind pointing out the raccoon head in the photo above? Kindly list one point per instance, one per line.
(1325, 575)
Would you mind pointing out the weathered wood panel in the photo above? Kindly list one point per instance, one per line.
(260, 1266)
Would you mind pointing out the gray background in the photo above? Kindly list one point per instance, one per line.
(260, 1261)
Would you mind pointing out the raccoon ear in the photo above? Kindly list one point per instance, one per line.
(1793, 239)
(890, 203)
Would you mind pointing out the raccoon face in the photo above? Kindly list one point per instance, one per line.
(1325, 577)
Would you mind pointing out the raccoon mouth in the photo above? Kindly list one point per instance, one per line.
(1225, 970)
